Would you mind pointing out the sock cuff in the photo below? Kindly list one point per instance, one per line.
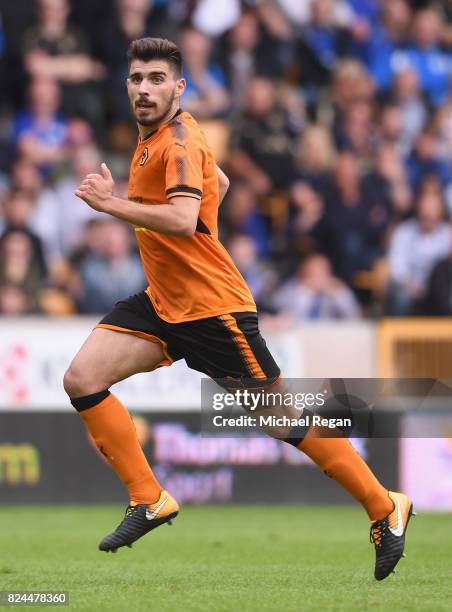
(298, 434)
(89, 401)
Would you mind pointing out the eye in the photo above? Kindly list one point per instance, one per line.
(157, 80)
(135, 78)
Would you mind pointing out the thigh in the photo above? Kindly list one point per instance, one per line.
(136, 317)
(128, 340)
(108, 356)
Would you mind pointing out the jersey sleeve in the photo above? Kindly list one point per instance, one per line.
(183, 169)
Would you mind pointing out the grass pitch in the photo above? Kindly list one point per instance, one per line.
(233, 558)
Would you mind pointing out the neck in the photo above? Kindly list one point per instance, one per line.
(53, 30)
(146, 130)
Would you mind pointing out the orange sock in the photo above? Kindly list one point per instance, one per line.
(114, 433)
(339, 460)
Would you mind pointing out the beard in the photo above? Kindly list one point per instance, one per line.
(156, 119)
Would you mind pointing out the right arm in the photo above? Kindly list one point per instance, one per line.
(177, 218)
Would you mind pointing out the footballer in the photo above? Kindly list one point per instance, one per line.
(196, 307)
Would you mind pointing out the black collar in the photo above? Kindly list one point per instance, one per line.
(178, 112)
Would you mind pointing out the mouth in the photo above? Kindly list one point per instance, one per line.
(142, 105)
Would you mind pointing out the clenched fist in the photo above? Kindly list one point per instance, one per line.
(97, 189)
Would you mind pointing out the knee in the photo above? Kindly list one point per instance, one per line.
(71, 382)
(78, 383)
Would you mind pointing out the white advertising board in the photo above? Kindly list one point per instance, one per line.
(35, 352)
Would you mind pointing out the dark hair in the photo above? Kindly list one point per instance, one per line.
(147, 49)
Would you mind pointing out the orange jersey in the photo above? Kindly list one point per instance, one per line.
(190, 277)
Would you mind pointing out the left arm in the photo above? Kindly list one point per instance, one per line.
(178, 218)
(223, 183)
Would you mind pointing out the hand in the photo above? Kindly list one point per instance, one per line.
(97, 189)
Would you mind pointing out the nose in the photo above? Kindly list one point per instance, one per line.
(144, 87)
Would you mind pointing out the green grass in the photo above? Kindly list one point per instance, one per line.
(225, 559)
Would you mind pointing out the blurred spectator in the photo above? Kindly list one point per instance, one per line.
(353, 227)
(16, 17)
(444, 127)
(18, 208)
(274, 21)
(407, 96)
(40, 132)
(306, 218)
(351, 84)
(315, 156)
(425, 159)
(260, 277)
(119, 19)
(129, 20)
(54, 49)
(26, 177)
(79, 133)
(13, 301)
(249, 50)
(18, 211)
(240, 58)
(321, 45)
(240, 215)
(390, 125)
(68, 212)
(2, 53)
(111, 271)
(213, 17)
(206, 95)
(355, 132)
(332, 165)
(438, 298)
(415, 247)
(443, 122)
(56, 303)
(263, 140)
(18, 266)
(92, 240)
(446, 10)
(426, 57)
(386, 185)
(387, 38)
(315, 293)
(86, 15)
(366, 14)
(299, 13)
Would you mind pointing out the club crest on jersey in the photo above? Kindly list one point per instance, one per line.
(144, 157)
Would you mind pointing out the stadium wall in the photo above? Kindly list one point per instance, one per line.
(34, 353)
(46, 455)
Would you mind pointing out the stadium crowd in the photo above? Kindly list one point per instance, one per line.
(333, 120)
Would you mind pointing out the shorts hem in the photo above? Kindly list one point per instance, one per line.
(144, 336)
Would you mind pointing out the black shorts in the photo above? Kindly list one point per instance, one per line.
(226, 346)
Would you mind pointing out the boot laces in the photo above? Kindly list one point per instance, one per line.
(129, 511)
(377, 532)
